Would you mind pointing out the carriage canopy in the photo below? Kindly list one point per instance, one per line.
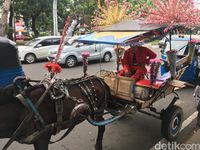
(124, 32)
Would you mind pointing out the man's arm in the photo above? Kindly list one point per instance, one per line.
(150, 54)
(126, 63)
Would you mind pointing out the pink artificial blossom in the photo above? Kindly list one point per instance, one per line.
(172, 12)
(85, 54)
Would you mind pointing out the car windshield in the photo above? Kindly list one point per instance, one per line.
(32, 42)
(180, 46)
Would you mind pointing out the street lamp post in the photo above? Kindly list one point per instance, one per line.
(55, 18)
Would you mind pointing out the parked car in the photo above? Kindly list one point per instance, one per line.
(181, 44)
(71, 55)
(37, 48)
(162, 43)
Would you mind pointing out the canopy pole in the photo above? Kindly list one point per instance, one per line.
(100, 56)
(117, 60)
(170, 40)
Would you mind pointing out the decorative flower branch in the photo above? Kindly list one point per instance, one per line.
(112, 12)
(172, 12)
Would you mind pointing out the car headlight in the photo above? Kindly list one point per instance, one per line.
(61, 56)
(53, 52)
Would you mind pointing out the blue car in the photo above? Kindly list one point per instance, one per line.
(181, 44)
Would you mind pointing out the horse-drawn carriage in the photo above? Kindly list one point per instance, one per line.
(141, 94)
(69, 102)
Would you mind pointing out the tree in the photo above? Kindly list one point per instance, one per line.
(112, 12)
(172, 12)
(4, 17)
(83, 8)
(33, 9)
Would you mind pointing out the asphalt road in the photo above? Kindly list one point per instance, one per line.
(133, 132)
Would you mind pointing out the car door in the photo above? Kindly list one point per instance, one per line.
(94, 51)
(86, 47)
(43, 47)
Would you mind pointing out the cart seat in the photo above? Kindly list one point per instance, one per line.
(146, 83)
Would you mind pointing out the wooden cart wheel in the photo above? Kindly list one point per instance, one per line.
(172, 119)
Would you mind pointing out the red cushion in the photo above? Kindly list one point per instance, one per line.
(146, 83)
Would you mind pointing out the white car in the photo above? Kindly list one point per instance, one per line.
(71, 55)
(37, 48)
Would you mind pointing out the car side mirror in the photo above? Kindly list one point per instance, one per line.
(38, 45)
(77, 45)
(162, 51)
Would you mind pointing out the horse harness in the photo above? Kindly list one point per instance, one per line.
(58, 91)
(88, 91)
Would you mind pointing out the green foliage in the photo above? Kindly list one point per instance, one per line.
(42, 11)
(138, 4)
(30, 9)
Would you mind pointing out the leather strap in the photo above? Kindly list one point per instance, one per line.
(71, 127)
(26, 120)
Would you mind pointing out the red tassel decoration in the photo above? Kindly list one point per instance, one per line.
(53, 67)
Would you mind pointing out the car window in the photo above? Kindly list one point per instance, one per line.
(76, 44)
(56, 41)
(46, 42)
(32, 42)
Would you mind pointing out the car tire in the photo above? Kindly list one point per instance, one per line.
(30, 58)
(70, 61)
(107, 56)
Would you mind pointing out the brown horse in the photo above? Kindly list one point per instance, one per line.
(80, 97)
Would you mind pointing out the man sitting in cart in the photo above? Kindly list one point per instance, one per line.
(134, 61)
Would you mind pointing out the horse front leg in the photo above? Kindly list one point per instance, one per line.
(99, 140)
(43, 142)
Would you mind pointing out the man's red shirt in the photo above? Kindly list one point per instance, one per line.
(142, 56)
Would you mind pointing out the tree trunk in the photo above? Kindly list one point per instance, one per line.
(4, 17)
(11, 27)
(36, 33)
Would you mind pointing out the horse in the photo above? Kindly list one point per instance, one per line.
(76, 99)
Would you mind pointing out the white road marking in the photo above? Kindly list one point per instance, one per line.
(189, 120)
(184, 125)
